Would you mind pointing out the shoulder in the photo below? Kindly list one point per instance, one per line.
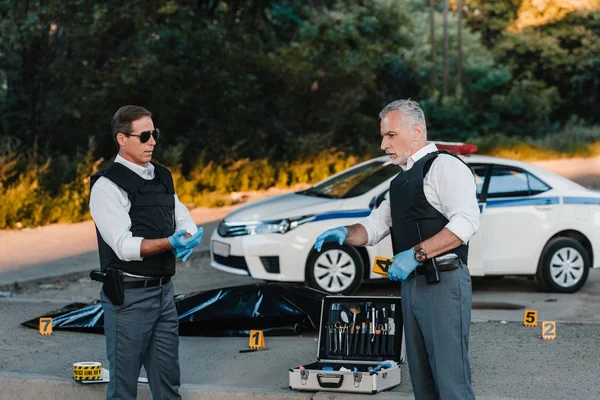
(449, 163)
(164, 175)
(104, 185)
(159, 168)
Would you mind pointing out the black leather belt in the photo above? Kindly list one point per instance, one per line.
(443, 266)
(145, 283)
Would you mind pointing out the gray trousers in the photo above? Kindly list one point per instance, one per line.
(437, 319)
(142, 331)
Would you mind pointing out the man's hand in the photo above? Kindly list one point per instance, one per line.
(331, 235)
(404, 263)
(183, 242)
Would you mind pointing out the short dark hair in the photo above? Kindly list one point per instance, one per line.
(121, 121)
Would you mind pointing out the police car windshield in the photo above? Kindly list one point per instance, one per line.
(354, 182)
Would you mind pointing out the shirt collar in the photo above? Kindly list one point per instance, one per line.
(430, 148)
(146, 171)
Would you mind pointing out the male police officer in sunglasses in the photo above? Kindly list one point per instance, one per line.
(142, 228)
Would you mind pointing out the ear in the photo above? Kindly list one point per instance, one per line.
(417, 132)
(121, 139)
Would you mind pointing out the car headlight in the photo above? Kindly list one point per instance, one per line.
(228, 229)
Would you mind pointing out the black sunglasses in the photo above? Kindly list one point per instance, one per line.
(145, 136)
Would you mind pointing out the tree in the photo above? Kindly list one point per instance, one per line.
(446, 46)
(459, 61)
(490, 18)
(562, 55)
(432, 84)
(537, 13)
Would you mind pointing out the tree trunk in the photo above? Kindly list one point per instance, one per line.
(445, 62)
(459, 61)
(432, 43)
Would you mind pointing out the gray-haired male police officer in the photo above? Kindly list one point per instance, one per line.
(142, 228)
(432, 212)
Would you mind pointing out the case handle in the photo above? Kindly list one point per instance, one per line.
(330, 385)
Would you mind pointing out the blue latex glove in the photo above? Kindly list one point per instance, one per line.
(182, 253)
(378, 368)
(179, 241)
(404, 263)
(331, 235)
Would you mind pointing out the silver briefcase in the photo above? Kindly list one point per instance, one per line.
(360, 347)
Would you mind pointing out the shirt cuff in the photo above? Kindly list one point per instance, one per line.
(461, 227)
(370, 233)
(131, 249)
(189, 226)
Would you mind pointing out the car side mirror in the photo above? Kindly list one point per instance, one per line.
(377, 200)
(373, 203)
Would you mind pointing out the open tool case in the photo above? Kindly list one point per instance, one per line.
(358, 334)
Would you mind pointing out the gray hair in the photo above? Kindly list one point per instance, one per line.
(410, 109)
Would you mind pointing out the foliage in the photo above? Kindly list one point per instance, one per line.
(574, 140)
(253, 93)
(491, 17)
(564, 55)
(27, 202)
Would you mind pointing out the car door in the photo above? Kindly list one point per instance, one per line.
(518, 217)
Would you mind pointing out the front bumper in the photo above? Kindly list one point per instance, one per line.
(232, 264)
(272, 257)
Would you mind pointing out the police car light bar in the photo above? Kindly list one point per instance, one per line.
(456, 147)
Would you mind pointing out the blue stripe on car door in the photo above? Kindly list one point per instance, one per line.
(581, 200)
(523, 201)
(342, 214)
(496, 203)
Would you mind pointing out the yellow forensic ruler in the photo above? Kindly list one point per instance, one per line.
(257, 340)
(46, 326)
(530, 318)
(381, 265)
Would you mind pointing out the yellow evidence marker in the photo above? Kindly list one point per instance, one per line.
(530, 318)
(257, 340)
(45, 326)
(548, 330)
(382, 265)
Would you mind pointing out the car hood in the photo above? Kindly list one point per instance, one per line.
(282, 206)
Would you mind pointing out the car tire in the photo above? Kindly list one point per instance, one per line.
(336, 269)
(564, 265)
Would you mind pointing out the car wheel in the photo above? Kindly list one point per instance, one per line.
(564, 265)
(336, 269)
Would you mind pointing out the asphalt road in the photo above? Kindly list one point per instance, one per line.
(508, 360)
(493, 299)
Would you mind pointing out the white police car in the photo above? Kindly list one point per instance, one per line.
(533, 223)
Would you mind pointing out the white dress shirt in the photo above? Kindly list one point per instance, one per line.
(110, 205)
(448, 186)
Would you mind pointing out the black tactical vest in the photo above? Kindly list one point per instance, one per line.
(413, 218)
(152, 217)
